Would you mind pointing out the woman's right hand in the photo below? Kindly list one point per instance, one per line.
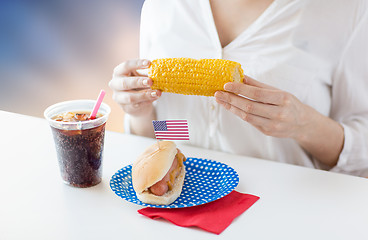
(132, 89)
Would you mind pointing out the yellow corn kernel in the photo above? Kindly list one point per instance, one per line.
(193, 77)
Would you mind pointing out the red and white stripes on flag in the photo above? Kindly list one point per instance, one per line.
(171, 129)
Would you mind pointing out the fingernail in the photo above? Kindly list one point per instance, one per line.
(154, 94)
(145, 82)
(218, 94)
(144, 62)
(228, 87)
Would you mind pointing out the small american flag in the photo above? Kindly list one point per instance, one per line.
(171, 129)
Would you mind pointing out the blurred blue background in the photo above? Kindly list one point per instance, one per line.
(56, 50)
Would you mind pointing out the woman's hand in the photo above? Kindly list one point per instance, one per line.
(280, 114)
(132, 90)
(274, 112)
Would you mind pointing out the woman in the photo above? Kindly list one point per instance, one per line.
(305, 63)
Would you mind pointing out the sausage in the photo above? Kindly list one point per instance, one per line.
(161, 187)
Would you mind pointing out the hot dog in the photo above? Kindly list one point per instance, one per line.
(161, 187)
(158, 174)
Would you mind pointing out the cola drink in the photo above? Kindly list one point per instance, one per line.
(79, 143)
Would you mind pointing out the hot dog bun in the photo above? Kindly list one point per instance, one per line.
(151, 167)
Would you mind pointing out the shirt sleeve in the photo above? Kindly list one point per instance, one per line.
(145, 34)
(350, 101)
(144, 46)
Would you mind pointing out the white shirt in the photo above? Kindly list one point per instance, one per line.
(316, 50)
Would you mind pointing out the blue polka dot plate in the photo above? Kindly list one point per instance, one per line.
(205, 181)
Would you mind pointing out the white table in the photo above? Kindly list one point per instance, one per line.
(295, 203)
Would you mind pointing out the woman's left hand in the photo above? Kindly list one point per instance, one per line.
(272, 111)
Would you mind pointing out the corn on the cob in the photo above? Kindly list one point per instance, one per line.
(193, 77)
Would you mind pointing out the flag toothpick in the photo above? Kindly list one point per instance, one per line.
(171, 130)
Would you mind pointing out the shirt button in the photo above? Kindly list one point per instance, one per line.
(212, 107)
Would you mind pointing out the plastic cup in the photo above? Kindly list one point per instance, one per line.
(79, 145)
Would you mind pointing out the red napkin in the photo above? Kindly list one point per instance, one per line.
(213, 217)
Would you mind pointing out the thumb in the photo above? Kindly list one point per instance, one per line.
(252, 82)
(128, 67)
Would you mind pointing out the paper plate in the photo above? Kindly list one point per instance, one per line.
(205, 181)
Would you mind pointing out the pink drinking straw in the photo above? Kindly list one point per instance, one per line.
(98, 104)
